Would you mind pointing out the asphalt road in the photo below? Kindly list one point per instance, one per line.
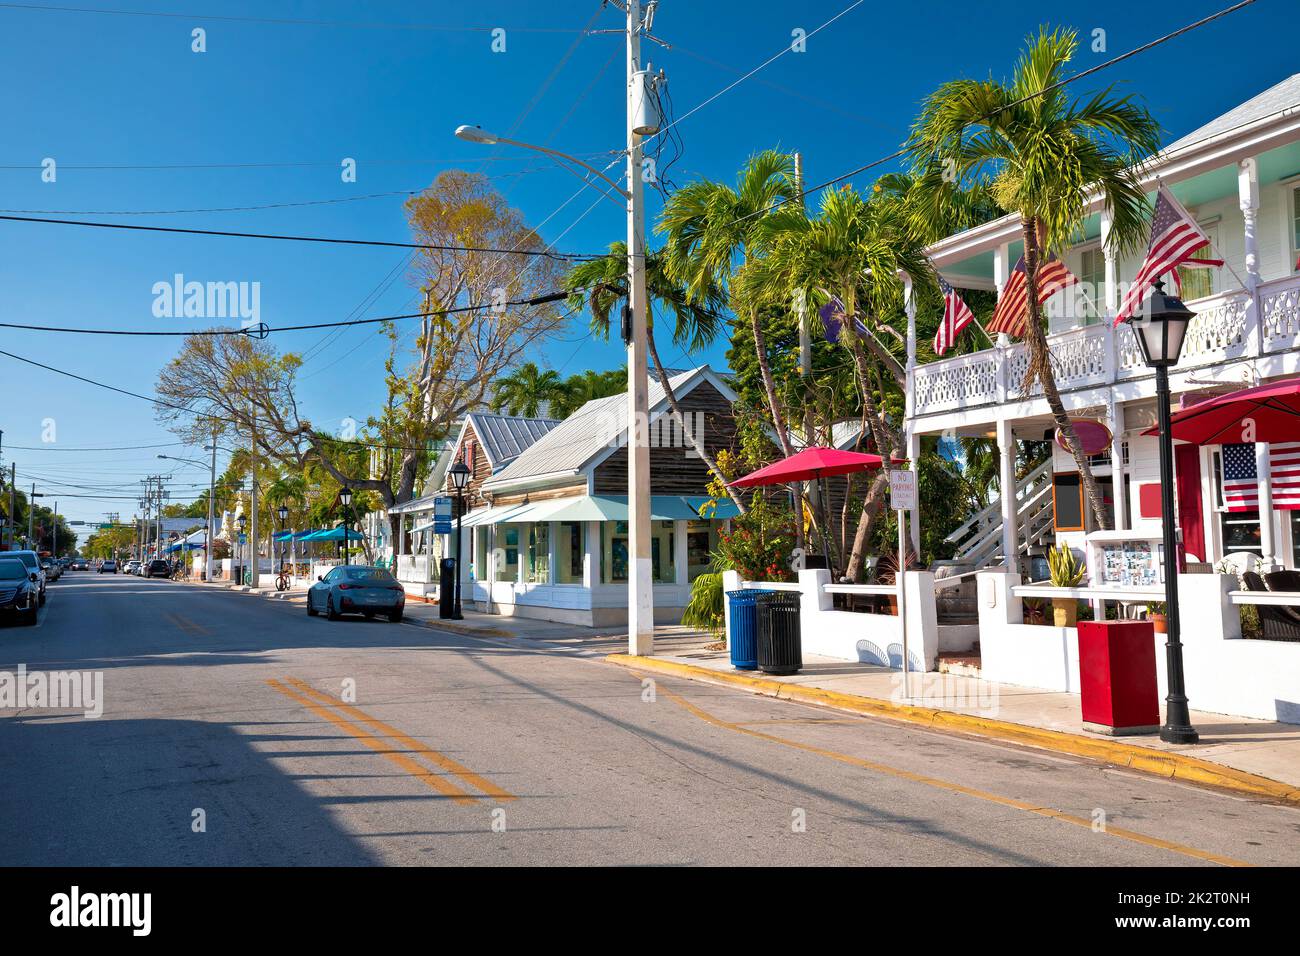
(224, 741)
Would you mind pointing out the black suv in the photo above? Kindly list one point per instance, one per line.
(158, 569)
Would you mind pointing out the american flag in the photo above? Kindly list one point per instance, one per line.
(1241, 479)
(956, 316)
(1175, 239)
(1011, 314)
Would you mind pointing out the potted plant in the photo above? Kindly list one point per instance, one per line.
(1066, 572)
(887, 573)
(1157, 614)
(1032, 611)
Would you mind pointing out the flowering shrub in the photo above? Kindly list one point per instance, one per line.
(759, 544)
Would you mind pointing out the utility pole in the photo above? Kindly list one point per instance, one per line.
(255, 566)
(55, 549)
(13, 503)
(640, 604)
(212, 491)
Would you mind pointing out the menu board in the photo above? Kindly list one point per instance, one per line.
(1136, 564)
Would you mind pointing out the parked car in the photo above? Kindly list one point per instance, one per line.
(51, 568)
(108, 567)
(33, 562)
(130, 566)
(157, 568)
(20, 593)
(357, 590)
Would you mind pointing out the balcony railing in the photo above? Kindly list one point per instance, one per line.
(1102, 355)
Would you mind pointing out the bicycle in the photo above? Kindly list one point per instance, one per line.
(282, 579)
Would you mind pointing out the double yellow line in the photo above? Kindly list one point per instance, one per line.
(452, 780)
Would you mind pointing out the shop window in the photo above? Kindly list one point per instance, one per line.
(1092, 284)
(507, 552)
(701, 541)
(570, 550)
(614, 551)
(663, 557)
(539, 554)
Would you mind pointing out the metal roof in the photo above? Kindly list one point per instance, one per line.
(506, 437)
(597, 425)
(1276, 99)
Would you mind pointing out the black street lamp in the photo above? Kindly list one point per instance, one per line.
(242, 521)
(283, 512)
(459, 473)
(1159, 327)
(345, 496)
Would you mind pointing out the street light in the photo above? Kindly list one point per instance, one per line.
(459, 473)
(1159, 327)
(639, 123)
(345, 496)
(283, 512)
(242, 521)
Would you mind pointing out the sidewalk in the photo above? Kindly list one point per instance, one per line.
(1252, 756)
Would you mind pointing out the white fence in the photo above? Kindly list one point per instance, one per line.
(1225, 673)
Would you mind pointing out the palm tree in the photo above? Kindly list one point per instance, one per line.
(709, 226)
(580, 389)
(854, 250)
(1044, 155)
(525, 390)
(697, 320)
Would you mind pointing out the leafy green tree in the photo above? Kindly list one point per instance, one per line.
(601, 284)
(525, 390)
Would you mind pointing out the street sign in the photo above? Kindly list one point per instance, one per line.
(442, 510)
(902, 490)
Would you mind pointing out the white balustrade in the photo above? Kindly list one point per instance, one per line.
(1100, 355)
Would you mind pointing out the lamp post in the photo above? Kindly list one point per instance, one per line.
(459, 473)
(345, 496)
(283, 512)
(242, 521)
(1159, 327)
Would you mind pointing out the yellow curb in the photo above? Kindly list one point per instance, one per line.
(1143, 759)
(467, 630)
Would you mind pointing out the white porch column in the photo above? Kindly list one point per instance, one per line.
(1117, 463)
(591, 559)
(914, 517)
(1248, 201)
(680, 554)
(1110, 292)
(1264, 477)
(1001, 270)
(912, 441)
(1007, 498)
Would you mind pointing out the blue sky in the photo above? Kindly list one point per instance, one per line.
(269, 111)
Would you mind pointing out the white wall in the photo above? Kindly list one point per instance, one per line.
(1224, 673)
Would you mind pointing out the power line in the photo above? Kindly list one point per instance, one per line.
(175, 212)
(559, 256)
(283, 21)
(169, 444)
(262, 330)
(898, 154)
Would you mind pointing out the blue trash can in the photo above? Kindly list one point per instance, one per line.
(742, 636)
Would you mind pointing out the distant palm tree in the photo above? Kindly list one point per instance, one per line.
(601, 284)
(1045, 155)
(588, 386)
(525, 390)
(710, 230)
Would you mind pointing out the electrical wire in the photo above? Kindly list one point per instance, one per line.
(559, 256)
(898, 154)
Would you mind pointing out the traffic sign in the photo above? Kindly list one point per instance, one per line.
(442, 515)
(902, 490)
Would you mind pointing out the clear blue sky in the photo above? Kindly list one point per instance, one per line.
(271, 109)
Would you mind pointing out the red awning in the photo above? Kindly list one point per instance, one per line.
(1266, 413)
(808, 465)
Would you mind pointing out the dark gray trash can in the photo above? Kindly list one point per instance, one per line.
(780, 644)
(446, 588)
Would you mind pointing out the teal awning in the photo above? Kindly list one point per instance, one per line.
(334, 534)
(603, 508)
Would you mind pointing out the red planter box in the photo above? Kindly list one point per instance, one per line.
(1117, 677)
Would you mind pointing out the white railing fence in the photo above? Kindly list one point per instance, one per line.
(1103, 355)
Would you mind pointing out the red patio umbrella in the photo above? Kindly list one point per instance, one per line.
(809, 465)
(1265, 413)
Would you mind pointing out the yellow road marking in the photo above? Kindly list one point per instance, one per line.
(442, 785)
(187, 625)
(410, 743)
(950, 787)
